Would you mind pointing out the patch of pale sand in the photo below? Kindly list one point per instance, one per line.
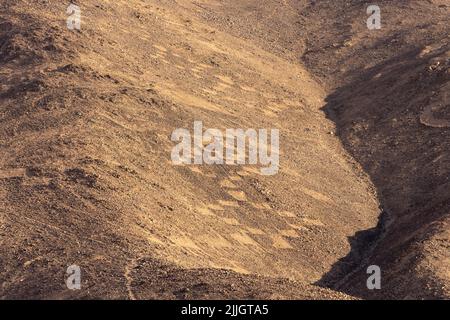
(212, 92)
(205, 211)
(249, 89)
(261, 206)
(215, 207)
(196, 70)
(227, 184)
(426, 50)
(222, 87)
(277, 106)
(438, 158)
(237, 268)
(184, 98)
(100, 257)
(29, 262)
(160, 48)
(244, 239)
(184, 242)
(196, 169)
(213, 265)
(297, 227)
(229, 265)
(291, 233)
(251, 169)
(214, 241)
(153, 239)
(316, 195)
(279, 242)
(287, 214)
(228, 203)
(243, 173)
(173, 22)
(238, 195)
(204, 66)
(312, 222)
(255, 231)
(225, 79)
(12, 173)
(270, 113)
(157, 56)
(231, 221)
(232, 100)
(378, 75)
(235, 178)
(205, 45)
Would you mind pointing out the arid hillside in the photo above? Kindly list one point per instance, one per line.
(86, 176)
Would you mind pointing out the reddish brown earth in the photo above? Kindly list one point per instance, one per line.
(86, 176)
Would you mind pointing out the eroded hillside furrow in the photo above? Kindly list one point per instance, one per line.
(389, 101)
(87, 179)
(412, 170)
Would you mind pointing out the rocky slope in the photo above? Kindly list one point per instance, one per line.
(86, 178)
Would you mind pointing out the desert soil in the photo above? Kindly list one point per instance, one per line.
(86, 177)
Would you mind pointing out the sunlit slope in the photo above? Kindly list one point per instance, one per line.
(86, 175)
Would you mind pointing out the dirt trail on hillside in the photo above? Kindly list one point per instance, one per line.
(86, 178)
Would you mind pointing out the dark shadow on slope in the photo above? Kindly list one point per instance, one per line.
(362, 245)
(378, 120)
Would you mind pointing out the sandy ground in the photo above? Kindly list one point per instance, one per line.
(86, 178)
